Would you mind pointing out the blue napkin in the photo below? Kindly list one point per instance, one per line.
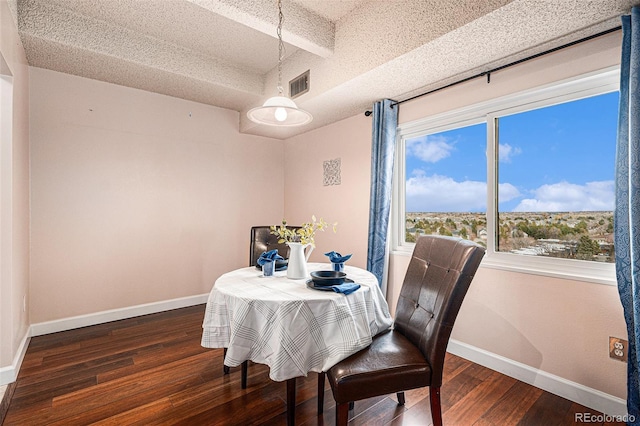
(269, 256)
(335, 257)
(346, 288)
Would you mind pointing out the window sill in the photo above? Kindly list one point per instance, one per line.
(590, 272)
(595, 276)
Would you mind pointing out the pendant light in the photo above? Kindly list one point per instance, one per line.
(279, 110)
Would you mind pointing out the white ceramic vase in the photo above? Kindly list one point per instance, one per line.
(297, 266)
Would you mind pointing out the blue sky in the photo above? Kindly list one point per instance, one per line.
(558, 158)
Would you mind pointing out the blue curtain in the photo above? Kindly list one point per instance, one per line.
(627, 211)
(385, 122)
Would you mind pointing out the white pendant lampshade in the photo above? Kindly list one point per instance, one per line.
(279, 111)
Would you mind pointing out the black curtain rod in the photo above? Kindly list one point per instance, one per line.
(488, 73)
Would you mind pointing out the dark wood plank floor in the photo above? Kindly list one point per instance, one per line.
(151, 370)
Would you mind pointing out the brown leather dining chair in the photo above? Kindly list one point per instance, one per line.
(261, 240)
(412, 354)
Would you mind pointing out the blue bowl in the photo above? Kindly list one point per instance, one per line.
(325, 278)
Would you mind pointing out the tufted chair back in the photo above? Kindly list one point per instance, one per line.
(437, 279)
(263, 240)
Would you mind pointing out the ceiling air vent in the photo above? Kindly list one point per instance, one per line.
(299, 85)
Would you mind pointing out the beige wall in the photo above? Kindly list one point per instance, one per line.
(14, 181)
(138, 197)
(558, 326)
(348, 203)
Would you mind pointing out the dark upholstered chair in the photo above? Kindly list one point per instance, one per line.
(412, 354)
(261, 240)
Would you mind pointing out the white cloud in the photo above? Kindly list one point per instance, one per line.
(430, 149)
(507, 192)
(438, 193)
(565, 196)
(443, 194)
(506, 152)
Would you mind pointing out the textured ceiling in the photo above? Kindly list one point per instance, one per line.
(224, 52)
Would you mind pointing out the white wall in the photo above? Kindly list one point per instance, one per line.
(14, 197)
(138, 197)
(555, 326)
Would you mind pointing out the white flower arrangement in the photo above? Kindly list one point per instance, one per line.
(304, 235)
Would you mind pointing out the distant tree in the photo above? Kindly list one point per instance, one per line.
(566, 229)
(463, 233)
(505, 230)
(450, 223)
(581, 226)
(587, 248)
(532, 230)
(444, 231)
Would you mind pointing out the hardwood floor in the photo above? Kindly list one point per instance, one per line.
(151, 370)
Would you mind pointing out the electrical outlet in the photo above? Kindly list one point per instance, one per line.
(618, 348)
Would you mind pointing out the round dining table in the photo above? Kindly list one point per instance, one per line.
(289, 325)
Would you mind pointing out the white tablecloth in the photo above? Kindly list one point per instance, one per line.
(289, 327)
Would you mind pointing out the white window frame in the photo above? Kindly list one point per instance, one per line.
(587, 85)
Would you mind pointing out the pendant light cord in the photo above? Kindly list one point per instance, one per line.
(281, 48)
(279, 110)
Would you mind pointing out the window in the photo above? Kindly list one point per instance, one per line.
(446, 183)
(529, 176)
(556, 175)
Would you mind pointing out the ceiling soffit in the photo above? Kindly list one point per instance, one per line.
(224, 52)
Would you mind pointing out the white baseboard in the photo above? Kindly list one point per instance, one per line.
(9, 374)
(115, 315)
(589, 397)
